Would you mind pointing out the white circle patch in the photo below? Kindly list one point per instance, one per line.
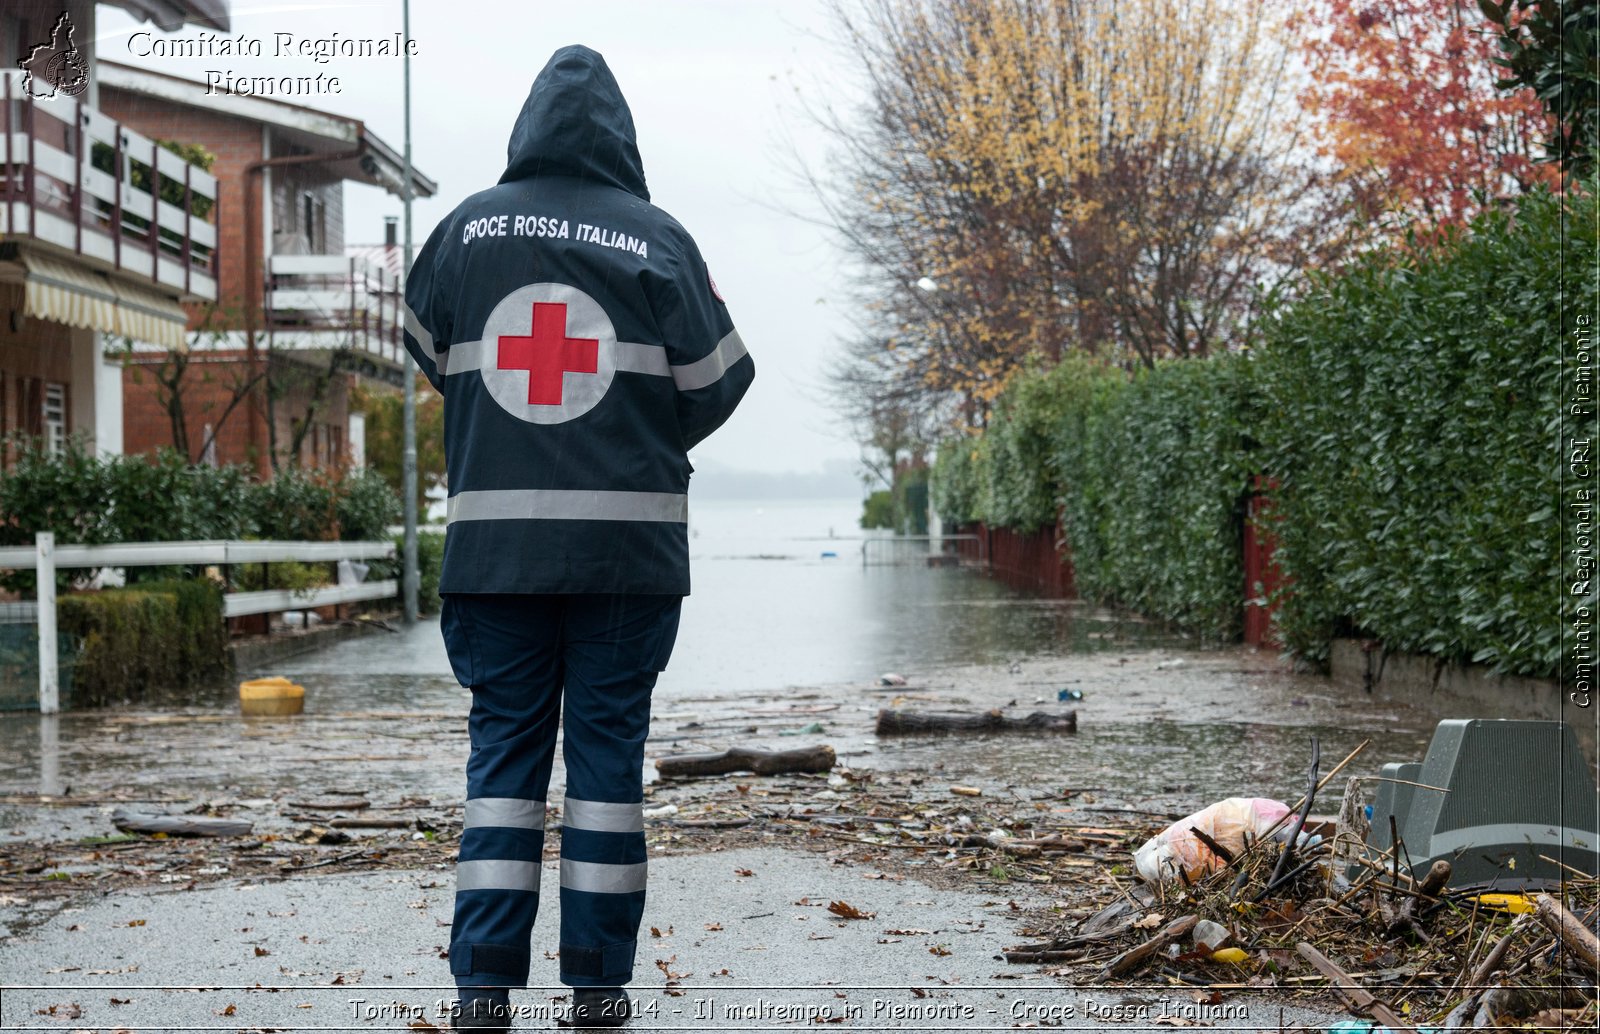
(549, 353)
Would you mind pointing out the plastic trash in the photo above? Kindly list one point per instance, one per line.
(1369, 1027)
(1237, 956)
(1211, 934)
(351, 572)
(889, 678)
(804, 730)
(1069, 694)
(1228, 822)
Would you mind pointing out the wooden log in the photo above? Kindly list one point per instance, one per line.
(371, 822)
(178, 825)
(745, 759)
(1569, 928)
(334, 804)
(1359, 997)
(895, 722)
(1133, 956)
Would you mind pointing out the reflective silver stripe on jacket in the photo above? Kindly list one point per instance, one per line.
(705, 372)
(512, 812)
(629, 356)
(415, 328)
(467, 356)
(603, 816)
(497, 874)
(513, 504)
(602, 877)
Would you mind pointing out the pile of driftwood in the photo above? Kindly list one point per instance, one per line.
(1399, 948)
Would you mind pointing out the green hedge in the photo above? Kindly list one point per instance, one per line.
(1409, 410)
(156, 636)
(160, 498)
(1412, 419)
(1155, 474)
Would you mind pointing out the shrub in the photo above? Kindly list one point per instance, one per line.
(877, 511)
(366, 506)
(1412, 418)
(1155, 476)
(157, 636)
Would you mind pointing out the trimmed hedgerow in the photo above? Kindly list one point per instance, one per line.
(1408, 409)
(1412, 415)
(1154, 476)
(156, 636)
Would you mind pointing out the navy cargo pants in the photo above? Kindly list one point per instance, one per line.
(591, 661)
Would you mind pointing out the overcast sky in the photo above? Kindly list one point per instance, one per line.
(712, 84)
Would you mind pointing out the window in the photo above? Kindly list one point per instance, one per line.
(55, 416)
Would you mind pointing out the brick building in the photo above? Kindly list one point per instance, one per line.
(298, 318)
(102, 233)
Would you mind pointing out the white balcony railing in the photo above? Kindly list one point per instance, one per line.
(75, 178)
(334, 302)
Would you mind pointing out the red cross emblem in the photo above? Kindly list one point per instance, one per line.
(548, 354)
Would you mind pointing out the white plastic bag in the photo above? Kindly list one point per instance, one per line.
(1227, 822)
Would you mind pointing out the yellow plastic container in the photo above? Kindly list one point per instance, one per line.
(1516, 904)
(271, 697)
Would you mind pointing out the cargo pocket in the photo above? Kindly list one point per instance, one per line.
(459, 642)
(667, 629)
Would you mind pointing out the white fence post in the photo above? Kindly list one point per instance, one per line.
(49, 673)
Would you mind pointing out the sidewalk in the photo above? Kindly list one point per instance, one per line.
(362, 952)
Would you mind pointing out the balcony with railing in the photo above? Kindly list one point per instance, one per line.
(80, 181)
(337, 303)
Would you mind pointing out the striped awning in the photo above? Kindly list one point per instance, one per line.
(144, 315)
(66, 293)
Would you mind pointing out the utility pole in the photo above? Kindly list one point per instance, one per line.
(408, 462)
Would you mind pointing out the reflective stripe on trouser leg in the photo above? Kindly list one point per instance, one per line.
(510, 650)
(614, 647)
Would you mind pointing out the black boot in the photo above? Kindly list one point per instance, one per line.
(485, 1014)
(600, 1006)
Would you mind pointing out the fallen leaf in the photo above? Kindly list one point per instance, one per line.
(136, 922)
(713, 926)
(907, 933)
(1149, 922)
(260, 951)
(121, 1001)
(939, 949)
(229, 1011)
(845, 910)
(424, 1027)
(66, 1011)
(744, 872)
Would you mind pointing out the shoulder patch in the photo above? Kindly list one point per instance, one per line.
(712, 281)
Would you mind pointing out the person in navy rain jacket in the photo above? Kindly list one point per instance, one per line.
(582, 349)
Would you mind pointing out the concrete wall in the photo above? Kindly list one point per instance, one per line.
(1359, 666)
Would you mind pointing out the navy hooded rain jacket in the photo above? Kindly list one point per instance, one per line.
(582, 349)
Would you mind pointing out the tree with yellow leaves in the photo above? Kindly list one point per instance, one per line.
(1036, 176)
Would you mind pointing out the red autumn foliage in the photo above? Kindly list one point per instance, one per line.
(1407, 107)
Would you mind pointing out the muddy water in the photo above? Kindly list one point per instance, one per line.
(787, 626)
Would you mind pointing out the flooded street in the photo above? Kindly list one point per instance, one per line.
(777, 635)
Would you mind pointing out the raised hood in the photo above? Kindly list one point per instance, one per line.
(576, 123)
